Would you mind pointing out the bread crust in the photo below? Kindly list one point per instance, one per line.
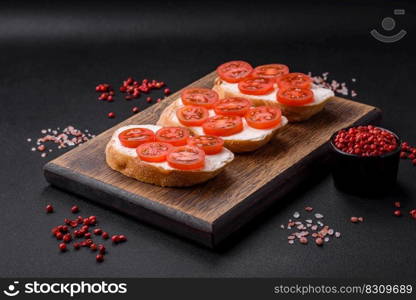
(236, 146)
(150, 173)
(292, 113)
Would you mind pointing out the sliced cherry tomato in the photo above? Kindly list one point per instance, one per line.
(270, 71)
(186, 158)
(153, 152)
(299, 80)
(234, 71)
(223, 125)
(295, 96)
(199, 97)
(177, 136)
(190, 115)
(209, 143)
(263, 117)
(256, 86)
(134, 137)
(234, 106)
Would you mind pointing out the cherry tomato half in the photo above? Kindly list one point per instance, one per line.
(186, 158)
(223, 125)
(153, 152)
(199, 97)
(134, 137)
(264, 117)
(234, 106)
(256, 86)
(234, 71)
(299, 80)
(295, 96)
(209, 143)
(270, 71)
(190, 115)
(177, 136)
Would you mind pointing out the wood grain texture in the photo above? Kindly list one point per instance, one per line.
(209, 212)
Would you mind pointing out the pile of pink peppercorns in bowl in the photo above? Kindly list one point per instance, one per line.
(366, 159)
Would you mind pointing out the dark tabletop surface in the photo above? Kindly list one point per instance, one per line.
(53, 56)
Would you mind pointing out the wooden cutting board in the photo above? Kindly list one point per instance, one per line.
(209, 212)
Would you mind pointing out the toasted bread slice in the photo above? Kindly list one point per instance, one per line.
(248, 140)
(293, 113)
(126, 161)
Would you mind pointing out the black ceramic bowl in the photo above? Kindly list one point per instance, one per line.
(365, 174)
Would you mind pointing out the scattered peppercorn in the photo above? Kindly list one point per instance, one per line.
(101, 248)
(59, 235)
(62, 247)
(99, 257)
(78, 229)
(115, 239)
(354, 219)
(408, 152)
(67, 238)
(98, 231)
(319, 241)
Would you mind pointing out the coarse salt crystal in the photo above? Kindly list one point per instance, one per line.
(319, 216)
(337, 234)
(296, 215)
